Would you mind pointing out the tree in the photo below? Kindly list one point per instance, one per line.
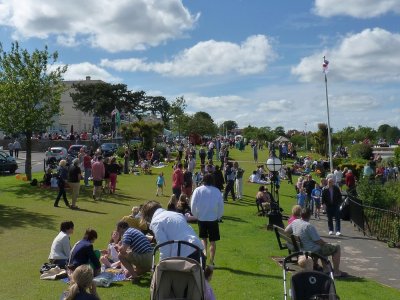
(147, 131)
(101, 98)
(159, 106)
(389, 133)
(29, 93)
(201, 123)
(321, 139)
(279, 131)
(128, 132)
(177, 113)
(227, 126)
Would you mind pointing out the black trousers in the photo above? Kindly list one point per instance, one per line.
(229, 188)
(61, 192)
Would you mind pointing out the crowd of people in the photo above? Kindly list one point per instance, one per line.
(197, 196)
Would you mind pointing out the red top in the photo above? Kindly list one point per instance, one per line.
(87, 162)
(177, 178)
(350, 179)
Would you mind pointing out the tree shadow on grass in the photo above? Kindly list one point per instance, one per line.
(235, 219)
(91, 211)
(108, 200)
(246, 273)
(12, 216)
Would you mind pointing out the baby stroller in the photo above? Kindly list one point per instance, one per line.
(177, 277)
(309, 285)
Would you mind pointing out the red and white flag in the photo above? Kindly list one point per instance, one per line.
(325, 66)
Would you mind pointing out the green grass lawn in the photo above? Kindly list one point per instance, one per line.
(244, 268)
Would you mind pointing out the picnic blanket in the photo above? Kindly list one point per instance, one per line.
(105, 279)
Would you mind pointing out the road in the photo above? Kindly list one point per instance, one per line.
(37, 162)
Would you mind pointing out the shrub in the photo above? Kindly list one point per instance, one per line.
(375, 194)
(363, 151)
(397, 156)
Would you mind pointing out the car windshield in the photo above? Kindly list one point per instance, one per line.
(56, 150)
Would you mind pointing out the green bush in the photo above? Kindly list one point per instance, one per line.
(376, 194)
(363, 151)
(397, 156)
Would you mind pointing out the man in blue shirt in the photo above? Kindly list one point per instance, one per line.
(135, 253)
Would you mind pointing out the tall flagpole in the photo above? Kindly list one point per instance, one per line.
(325, 66)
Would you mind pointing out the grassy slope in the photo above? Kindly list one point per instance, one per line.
(245, 270)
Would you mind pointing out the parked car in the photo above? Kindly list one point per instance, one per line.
(74, 149)
(58, 153)
(108, 149)
(7, 163)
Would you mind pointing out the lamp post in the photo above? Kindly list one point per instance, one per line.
(305, 132)
(274, 165)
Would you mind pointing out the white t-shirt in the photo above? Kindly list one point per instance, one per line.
(169, 225)
(207, 203)
(60, 248)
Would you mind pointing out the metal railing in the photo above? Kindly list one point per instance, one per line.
(375, 222)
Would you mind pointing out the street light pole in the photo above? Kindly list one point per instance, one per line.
(325, 68)
(274, 165)
(305, 132)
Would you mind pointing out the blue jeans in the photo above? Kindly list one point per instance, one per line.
(88, 173)
(333, 212)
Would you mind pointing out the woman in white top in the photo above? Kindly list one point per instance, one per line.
(61, 247)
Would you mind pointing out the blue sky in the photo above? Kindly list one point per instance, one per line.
(256, 62)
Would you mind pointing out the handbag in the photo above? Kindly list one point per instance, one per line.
(46, 267)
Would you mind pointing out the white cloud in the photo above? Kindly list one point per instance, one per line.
(291, 105)
(369, 55)
(354, 102)
(207, 58)
(356, 8)
(81, 70)
(113, 26)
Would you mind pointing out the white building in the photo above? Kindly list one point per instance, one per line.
(70, 116)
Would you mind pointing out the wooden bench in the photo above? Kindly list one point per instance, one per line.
(287, 241)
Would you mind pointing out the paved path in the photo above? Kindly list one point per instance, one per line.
(37, 162)
(363, 256)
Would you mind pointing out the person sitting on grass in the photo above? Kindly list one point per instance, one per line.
(109, 256)
(171, 206)
(133, 220)
(183, 207)
(83, 253)
(46, 182)
(81, 282)
(311, 240)
(61, 248)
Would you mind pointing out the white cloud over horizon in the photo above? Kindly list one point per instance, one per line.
(206, 58)
(355, 8)
(81, 70)
(130, 25)
(369, 55)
